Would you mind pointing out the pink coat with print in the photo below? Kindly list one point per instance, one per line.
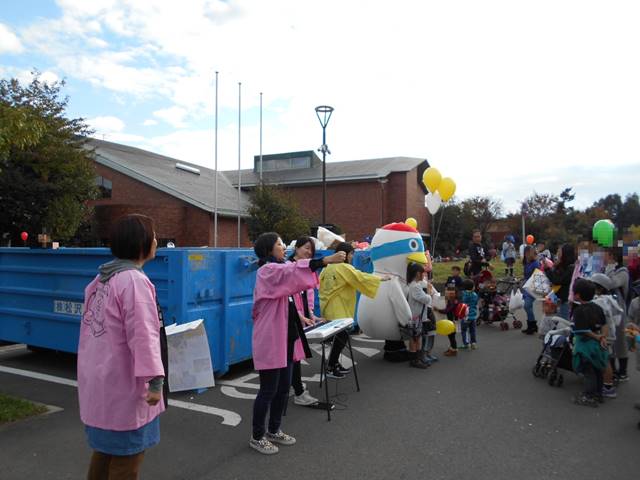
(119, 352)
(275, 283)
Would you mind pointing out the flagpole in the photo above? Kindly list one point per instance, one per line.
(239, 171)
(261, 138)
(215, 201)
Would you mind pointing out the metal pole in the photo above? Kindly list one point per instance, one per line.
(239, 171)
(260, 137)
(523, 228)
(433, 251)
(324, 176)
(323, 113)
(215, 201)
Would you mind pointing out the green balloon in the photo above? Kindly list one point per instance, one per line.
(604, 232)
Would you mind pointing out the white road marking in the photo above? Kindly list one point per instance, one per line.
(233, 392)
(39, 376)
(228, 417)
(369, 352)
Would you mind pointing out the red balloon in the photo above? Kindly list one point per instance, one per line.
(530, 239)
(24, 236)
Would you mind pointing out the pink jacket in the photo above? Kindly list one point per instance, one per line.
(119, 352)
(275, 283)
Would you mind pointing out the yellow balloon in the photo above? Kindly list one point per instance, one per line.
(445, 327)
(446, 188)
(431, 178)
(412, 222)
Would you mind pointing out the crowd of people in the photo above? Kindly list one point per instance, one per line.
(122, 357)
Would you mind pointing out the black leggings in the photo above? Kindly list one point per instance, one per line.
(272, 397)
(296, 378)
(339, 342)
(592, 380)
(452, 341)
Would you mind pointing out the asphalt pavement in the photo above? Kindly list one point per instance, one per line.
(479, 416)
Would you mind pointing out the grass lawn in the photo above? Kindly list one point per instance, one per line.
(441, 270)
(13, 409)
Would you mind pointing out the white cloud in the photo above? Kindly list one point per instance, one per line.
(149, 122)
(9, 42)
(487, 91)
(107, 124)
(173, 116)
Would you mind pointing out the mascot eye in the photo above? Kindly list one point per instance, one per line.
(413, 245)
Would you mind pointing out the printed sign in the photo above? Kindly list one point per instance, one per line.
(68, 308)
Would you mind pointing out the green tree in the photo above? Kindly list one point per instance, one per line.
(273, 210)
(480, 213)
(47, 172)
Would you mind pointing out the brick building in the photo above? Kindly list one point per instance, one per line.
(361, 195)
(180, 196)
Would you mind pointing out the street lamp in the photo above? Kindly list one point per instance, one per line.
(323, 113)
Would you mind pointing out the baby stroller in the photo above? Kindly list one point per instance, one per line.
(556, 355)
(495, 300)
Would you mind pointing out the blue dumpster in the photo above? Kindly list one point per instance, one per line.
(42, 291)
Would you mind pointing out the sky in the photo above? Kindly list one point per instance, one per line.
(506, 97)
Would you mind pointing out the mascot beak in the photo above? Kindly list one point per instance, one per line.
(418, 257)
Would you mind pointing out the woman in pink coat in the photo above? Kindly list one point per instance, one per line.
(120, 369)
(276, 334)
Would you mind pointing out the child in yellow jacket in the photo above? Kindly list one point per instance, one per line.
(338, 286)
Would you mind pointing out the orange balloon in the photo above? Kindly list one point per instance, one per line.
(530, 239)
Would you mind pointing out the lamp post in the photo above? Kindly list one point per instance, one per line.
(323, 112)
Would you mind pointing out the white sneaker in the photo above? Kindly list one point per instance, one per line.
(305, 399)
(292, 391)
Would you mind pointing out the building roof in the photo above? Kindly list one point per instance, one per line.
(160, 172)
(354, 170)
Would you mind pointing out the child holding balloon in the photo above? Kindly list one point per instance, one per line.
(419, 303)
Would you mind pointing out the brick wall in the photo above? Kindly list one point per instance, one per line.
(361, 207)
(415, 202)
(186, 224)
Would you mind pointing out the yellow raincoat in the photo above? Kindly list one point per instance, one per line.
(338, 285)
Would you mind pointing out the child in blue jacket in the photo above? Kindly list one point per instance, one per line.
(468, 324)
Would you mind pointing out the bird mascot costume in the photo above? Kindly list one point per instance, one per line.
(393, 247)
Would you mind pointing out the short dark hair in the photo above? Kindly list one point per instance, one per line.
(468, 284)
(301, 242)
(412, 271)
(456, 267)
(585, 289)
(263, 246)
(131, 237)
(345, 247)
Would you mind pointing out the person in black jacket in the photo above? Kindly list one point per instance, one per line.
(476, 255)
(561, 275)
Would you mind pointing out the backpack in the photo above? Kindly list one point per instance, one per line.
(467, 268)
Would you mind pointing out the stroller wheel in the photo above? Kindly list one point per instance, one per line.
(504, 326)
(545, 371)
(536, 371)
(552, 378)
(560, 381)
(517, 324)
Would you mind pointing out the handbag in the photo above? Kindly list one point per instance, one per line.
(430, 324)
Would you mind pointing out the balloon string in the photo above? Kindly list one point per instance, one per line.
(437, 232)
